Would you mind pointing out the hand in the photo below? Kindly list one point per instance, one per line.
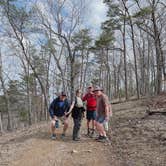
(83, 115)
(66, 113)
(54, 118)
(107, 118)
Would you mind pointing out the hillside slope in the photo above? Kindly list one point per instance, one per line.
(137, 139)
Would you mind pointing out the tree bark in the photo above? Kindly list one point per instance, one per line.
(124, 54)
(1, 123)
(158, 51)
(133, 46)
(6, 97)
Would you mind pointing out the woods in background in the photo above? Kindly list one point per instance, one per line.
(46, 48)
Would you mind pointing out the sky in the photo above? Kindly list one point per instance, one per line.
(96, 14)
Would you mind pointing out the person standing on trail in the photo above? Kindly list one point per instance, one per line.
(90, 99)
(57, 110)
(102, 113)
(77, 110)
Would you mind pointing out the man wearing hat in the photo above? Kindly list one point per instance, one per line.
(90, 99)
(102, 112)
(57, 110)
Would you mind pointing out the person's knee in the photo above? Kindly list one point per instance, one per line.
(53, 123)
(66, 124)
(98, 125)
(88, 120)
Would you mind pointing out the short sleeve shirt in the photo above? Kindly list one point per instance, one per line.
(102, 102)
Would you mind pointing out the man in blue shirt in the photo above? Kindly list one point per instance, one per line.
(58, 109)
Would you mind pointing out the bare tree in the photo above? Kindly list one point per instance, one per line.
(6, 96)
(18, 30)
(63, 32)
(133, 45)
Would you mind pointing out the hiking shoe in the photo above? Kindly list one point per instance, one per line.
(99, 137)
(88, 134)
(103, 139)
(53, 136)
(76, 139)
(63, 136)
(92, 135)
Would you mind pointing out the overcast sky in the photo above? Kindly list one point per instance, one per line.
(96, 14)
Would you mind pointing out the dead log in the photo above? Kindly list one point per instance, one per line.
(161, 111)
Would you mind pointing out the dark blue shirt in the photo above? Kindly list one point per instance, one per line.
(59, 107)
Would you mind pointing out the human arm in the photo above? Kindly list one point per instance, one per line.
(51, 110)
(107, 113)
(107, 109)
(110, 110)
(70, 109)
(84, 98)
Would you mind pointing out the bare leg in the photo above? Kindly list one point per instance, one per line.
(53, 127)
(93, 124)
(88, 127)
(88, 124)
(66, 124)
(100, 129)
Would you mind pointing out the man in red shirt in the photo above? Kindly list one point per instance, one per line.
(90, 99)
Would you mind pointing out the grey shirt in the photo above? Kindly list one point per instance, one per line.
(102, 102)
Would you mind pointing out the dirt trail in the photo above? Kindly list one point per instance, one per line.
(137, 139)
(34, 148)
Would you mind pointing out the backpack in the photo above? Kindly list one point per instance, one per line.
(77, 112)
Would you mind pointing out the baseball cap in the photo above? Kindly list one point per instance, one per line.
(90, 86)
(63, 93)
(97, 88)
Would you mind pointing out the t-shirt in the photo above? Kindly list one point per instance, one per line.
(58, 107)
(61, 104)
(102, 102)
(91, 101)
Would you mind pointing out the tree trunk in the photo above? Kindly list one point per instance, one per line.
(72, 75)
(133, 46)
(108, 74)
(1, 123)
(118, 77)
(147, 79)
(124, 53)
(6, 97)
(158, 51)
(82, 67)
(29, 97)
(86, 68)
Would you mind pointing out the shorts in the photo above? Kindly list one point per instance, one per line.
(100, 119)
(62, 119)
(90, 115)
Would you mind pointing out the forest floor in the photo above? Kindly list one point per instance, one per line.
(137, 139)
